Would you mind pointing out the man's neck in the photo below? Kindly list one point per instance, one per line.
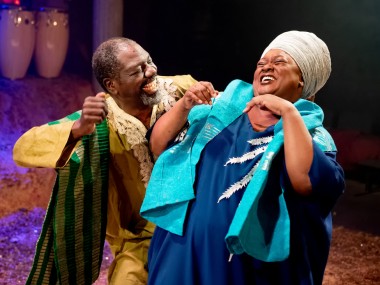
(136, 109)
(143, 115)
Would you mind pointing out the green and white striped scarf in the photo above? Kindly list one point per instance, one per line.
(70, 246)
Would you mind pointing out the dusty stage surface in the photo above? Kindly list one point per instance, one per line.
(355, 251)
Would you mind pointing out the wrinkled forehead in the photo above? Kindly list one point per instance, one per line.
(276, 52)
(131, 48)
(132, 55)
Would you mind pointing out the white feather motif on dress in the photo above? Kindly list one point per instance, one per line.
(238, 185)
(259, 141)
(245, 157)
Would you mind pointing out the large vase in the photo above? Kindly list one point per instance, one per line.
(17, 38)
(52, 38)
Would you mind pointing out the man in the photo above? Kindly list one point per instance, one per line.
(103, 164)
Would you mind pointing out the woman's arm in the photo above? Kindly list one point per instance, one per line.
(169, 125)
(298, 149)
(298, 145)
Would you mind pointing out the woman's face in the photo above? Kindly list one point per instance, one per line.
(278, 74)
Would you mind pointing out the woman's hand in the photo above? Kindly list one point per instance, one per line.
(200, 93)
(272, 103)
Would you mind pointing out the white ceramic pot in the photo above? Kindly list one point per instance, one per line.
(52, 38)
(17, 38)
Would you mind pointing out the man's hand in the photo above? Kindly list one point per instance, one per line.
(94, 111)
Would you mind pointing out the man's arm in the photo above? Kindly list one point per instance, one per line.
(181, 82)
(43, 146)
(52, 145)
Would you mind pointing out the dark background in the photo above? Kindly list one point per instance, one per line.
(219, 41)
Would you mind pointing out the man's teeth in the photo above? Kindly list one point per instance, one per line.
(267, 78)
(150, 88)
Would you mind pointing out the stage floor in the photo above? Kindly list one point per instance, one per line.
(355, 251)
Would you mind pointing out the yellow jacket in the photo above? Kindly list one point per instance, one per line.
(127, 233)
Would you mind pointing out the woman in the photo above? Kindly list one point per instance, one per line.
(246, 198)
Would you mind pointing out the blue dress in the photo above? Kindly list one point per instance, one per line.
(200, 256)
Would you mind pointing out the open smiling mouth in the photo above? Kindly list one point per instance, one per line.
(267, 79)
(151, 87)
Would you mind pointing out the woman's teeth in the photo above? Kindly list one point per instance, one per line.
(267, 79)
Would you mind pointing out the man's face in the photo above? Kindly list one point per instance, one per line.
(138, 75)
(278, 74)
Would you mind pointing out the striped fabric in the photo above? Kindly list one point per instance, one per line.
(70, 246)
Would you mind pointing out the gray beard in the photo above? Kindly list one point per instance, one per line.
(152, 100)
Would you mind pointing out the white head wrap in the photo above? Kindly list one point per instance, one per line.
(311, 55)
